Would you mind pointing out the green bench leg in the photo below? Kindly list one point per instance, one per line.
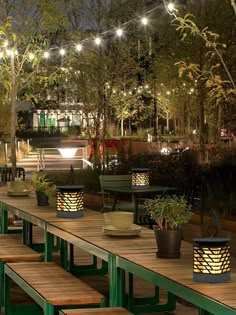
(86, 269)
(49, 309)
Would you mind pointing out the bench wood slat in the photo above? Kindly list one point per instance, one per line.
(56, 285)
(98, 311)
(12, 249)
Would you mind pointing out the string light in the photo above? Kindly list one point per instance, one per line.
(31, 56)
(46, 54)
(144, 21)
(62, 52)
(171, 7)
(119, 32)
(78, 47)
(97, 41)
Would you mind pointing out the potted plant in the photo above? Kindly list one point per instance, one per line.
(169, 213)
(44, 188)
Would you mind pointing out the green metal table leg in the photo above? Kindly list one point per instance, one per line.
(25, 232)
(49, 309)
(1, 283)
(203, 312)
(64, 254)
(112, 279)
(4, 219)
(48, 245)
(7, 306)
(120, 287)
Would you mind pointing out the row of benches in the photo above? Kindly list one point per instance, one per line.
(53, 289)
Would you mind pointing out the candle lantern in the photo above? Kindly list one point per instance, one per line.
(211, 260)
(70, 201)
(140, 178)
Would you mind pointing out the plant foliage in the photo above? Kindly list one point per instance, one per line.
(169, 212)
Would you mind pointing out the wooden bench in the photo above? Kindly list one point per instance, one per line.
(97, 311)
(114, 181)
(12, 250)
(50, 286)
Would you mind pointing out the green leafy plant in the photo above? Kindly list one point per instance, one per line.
(169, 212)
(42, 182)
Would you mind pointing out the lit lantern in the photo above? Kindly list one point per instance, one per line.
(211, 260)
(140, 178)
(70, 201)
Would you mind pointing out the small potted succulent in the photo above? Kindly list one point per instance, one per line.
(169, 213)
(44, 188)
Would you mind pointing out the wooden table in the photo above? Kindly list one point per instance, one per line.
(135, 193)
(137, 256)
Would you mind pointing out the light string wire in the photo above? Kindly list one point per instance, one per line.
(79, 44)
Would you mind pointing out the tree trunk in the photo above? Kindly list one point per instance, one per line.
(201, 103)
(122, 127)
(13, 96)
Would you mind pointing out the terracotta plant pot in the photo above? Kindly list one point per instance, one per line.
(168, 243)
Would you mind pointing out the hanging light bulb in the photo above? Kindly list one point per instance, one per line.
(119, 32)
(78, 47)
(46, 55)
(171, 7)
(144, 21)
(62, 52)
(97, 41)
(1, 54)
(31, 56)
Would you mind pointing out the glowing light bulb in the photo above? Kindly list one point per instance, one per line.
(97, 40)
(62, 52)
(119, 32)
(46, 55)
(78, 47)
(31, 56)
(144, 21)
(1, 54)
(171, 7)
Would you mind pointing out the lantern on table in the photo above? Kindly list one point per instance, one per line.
(211, 260)
(140, 178)
(70, 201)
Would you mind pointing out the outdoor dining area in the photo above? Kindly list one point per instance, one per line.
(121, 252)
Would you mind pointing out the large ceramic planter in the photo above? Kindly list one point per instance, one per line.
(42, 199)
(168, 243)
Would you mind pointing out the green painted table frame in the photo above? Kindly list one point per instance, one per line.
(206, 305)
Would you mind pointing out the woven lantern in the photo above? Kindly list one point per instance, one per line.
(211, 260)
(70, 202)
(140, 178)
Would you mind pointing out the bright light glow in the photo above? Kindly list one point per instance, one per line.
(46, 54)
(119, 32)
(165, 151)
(10, 52)
(97, 40)
(1, 54)
(31, 56)
(68, 152)
(78, 47)
(168, 92)
(62, 52)
(171, 7)
(5, 44)
(144, 21)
